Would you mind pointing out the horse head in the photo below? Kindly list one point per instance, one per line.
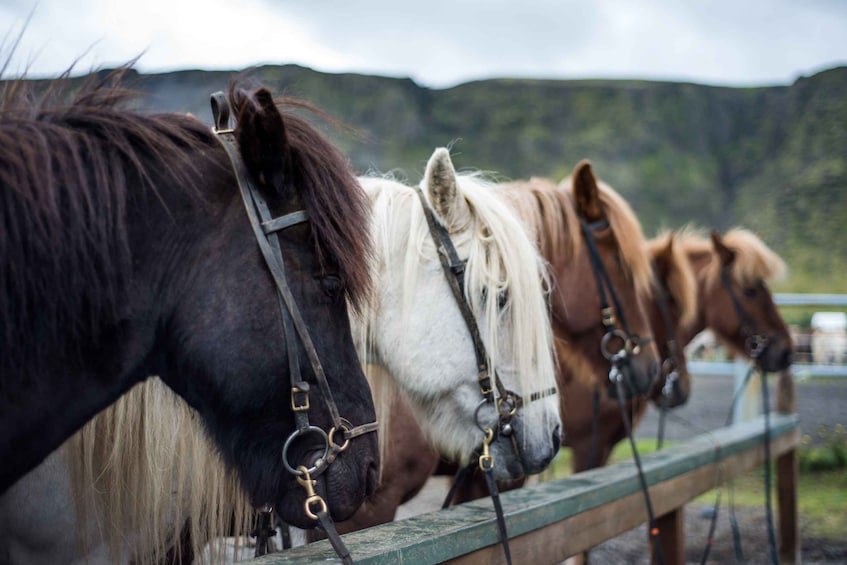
(602, 289)
(735, 301)
(461, 322)
(674, 306)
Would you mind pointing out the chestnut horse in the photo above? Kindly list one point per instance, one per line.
(731, 298)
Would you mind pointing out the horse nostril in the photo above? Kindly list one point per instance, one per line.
(557, 439)
(785, 359)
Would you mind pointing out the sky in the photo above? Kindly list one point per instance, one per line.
(437, 43)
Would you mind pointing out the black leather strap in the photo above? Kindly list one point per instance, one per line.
(498, 510)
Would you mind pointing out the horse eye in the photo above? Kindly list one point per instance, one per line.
(332, 285)
(750, 292)
(502, 299)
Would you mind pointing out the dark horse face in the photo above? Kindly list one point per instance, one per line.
(130, 254)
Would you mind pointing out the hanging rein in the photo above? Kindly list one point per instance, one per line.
(337, 439)
(506, 402)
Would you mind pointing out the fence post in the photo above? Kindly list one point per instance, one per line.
(787, 472)
(671, 537)
(749, 403)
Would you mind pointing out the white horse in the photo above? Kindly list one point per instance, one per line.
(123, 488)
(416, 331)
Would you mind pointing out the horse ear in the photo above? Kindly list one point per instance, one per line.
(442, 188)
(262, 140)
(726, 255)
(585, 192)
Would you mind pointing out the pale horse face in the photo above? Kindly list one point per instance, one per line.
(424, 342)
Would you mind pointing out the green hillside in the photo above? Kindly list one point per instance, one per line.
(769, 158)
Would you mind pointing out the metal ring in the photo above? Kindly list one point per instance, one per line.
(607, 337)
(332, 445)
(321, 461)
(483, 429)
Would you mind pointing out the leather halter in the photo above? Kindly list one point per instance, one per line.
(630, 343)
(266, 228)
(672, 364)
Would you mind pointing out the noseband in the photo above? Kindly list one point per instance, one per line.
(266, 229)
(620, 374)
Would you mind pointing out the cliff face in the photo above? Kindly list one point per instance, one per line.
(769, 158)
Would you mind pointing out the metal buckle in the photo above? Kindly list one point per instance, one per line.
(300, 404)
(484, 379)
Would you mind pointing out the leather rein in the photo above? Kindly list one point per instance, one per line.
(266, 229)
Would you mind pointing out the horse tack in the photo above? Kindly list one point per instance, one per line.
(266, 230)
(631, 343)
(506, 402)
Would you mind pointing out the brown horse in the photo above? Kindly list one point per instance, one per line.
(747, 321)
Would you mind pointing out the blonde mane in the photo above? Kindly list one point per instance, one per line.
(681, 283)
(497, 261)
(142, 467)
(754, 260)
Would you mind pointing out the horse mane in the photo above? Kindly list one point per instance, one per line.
(496, 260)
(754, 260)
(550, 215)
(336, 204)
(630, 239)
(71, 155)
(681, 283)
(134, 472)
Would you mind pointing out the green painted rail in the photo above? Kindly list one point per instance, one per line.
(455, 532)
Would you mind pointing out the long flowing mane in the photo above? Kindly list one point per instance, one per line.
(681, 283)
(497, 262)
(549, 211)
(74, 158)
(754, 260)
(68, 164)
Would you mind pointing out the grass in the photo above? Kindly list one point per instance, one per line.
(822, 495)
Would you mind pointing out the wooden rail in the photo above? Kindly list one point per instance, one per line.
(551, 521)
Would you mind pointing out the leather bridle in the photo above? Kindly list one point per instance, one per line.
(672, 365)
(266, 229)
(506, 402)
(620, 374)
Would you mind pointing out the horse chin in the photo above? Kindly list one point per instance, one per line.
(336, 486)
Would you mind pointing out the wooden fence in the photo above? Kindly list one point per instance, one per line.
(553, 520)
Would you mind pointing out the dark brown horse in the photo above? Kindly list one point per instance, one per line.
(126, 252)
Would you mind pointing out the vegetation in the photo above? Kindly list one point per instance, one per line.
(770, 158)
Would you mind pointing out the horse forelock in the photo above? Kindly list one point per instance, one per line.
(754, 260)
(337, 205)
(67, 171)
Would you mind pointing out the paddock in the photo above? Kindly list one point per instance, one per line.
(551, 521)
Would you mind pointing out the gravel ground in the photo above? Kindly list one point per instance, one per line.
(819, 403)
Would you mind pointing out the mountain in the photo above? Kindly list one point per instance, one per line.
(768, 158)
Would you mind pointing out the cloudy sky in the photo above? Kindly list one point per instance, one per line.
(439, 43)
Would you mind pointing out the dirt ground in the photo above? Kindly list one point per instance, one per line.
(819, 403)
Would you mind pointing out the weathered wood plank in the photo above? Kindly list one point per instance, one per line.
(552, 520)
